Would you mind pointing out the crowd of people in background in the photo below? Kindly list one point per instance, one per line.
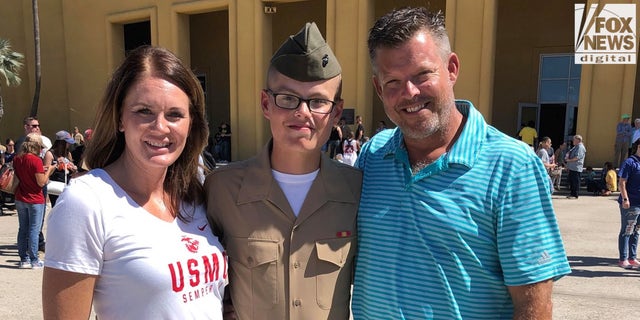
(57, 161)
(620, 177)
(567, 160)
(9, 148)
(65, 158)
(569, 156)
(344, 143)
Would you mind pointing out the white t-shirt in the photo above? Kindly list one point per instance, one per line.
(147, 268)
(47, 145)
(295, 187)
(543, 154)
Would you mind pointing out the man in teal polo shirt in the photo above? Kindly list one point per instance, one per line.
(455, 218)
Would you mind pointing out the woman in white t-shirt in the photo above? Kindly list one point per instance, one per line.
(131, 235)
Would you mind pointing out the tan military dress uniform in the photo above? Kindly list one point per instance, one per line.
(282, 266)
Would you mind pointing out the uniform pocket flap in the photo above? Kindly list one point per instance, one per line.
(254, 252)
(334, 250)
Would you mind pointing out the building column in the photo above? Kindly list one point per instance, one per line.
(472, 31)
(350, 47)
(250, 59)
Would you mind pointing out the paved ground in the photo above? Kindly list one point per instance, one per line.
(597, 288)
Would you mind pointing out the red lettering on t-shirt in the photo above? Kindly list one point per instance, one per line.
(211, 272)
(177, 280)
(192, 266)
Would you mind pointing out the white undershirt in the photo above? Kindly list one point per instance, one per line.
(295, 187)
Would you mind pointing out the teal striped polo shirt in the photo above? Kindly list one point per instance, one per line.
(445, 243)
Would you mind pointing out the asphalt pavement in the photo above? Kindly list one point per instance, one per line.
(596, 289)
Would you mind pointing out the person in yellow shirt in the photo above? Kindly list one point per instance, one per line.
(611, 179)
(528, 134)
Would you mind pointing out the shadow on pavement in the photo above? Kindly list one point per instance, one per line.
(10, 257)
(579, 262)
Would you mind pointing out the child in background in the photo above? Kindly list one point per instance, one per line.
(610, 178)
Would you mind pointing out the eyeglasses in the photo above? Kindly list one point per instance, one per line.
(34, 125)
(292, 102)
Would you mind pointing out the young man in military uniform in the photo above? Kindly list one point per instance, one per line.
(287, 217)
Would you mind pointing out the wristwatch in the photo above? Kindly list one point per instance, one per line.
(625, 199)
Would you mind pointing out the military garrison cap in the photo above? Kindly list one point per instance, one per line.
(306, 57)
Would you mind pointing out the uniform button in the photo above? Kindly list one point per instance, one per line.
(296, 264)
(297, 303)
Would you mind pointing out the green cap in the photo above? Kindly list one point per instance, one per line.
(306, 57)
(626, 116)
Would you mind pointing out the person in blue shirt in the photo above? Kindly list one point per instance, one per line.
(575, 163)
(455, 218)
(624, 134)
(629, 203)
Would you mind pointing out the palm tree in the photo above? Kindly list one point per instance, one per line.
(36, 37)
(10, 65)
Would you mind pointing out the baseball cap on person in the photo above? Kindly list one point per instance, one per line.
(626, 116)
(64, 135)
(306, 56)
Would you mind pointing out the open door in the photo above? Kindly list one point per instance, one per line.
(527, 112)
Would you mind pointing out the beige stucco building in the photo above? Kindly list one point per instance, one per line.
(516, 61)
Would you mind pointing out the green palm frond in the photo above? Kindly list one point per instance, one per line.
(10, 63)
(5, 45)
